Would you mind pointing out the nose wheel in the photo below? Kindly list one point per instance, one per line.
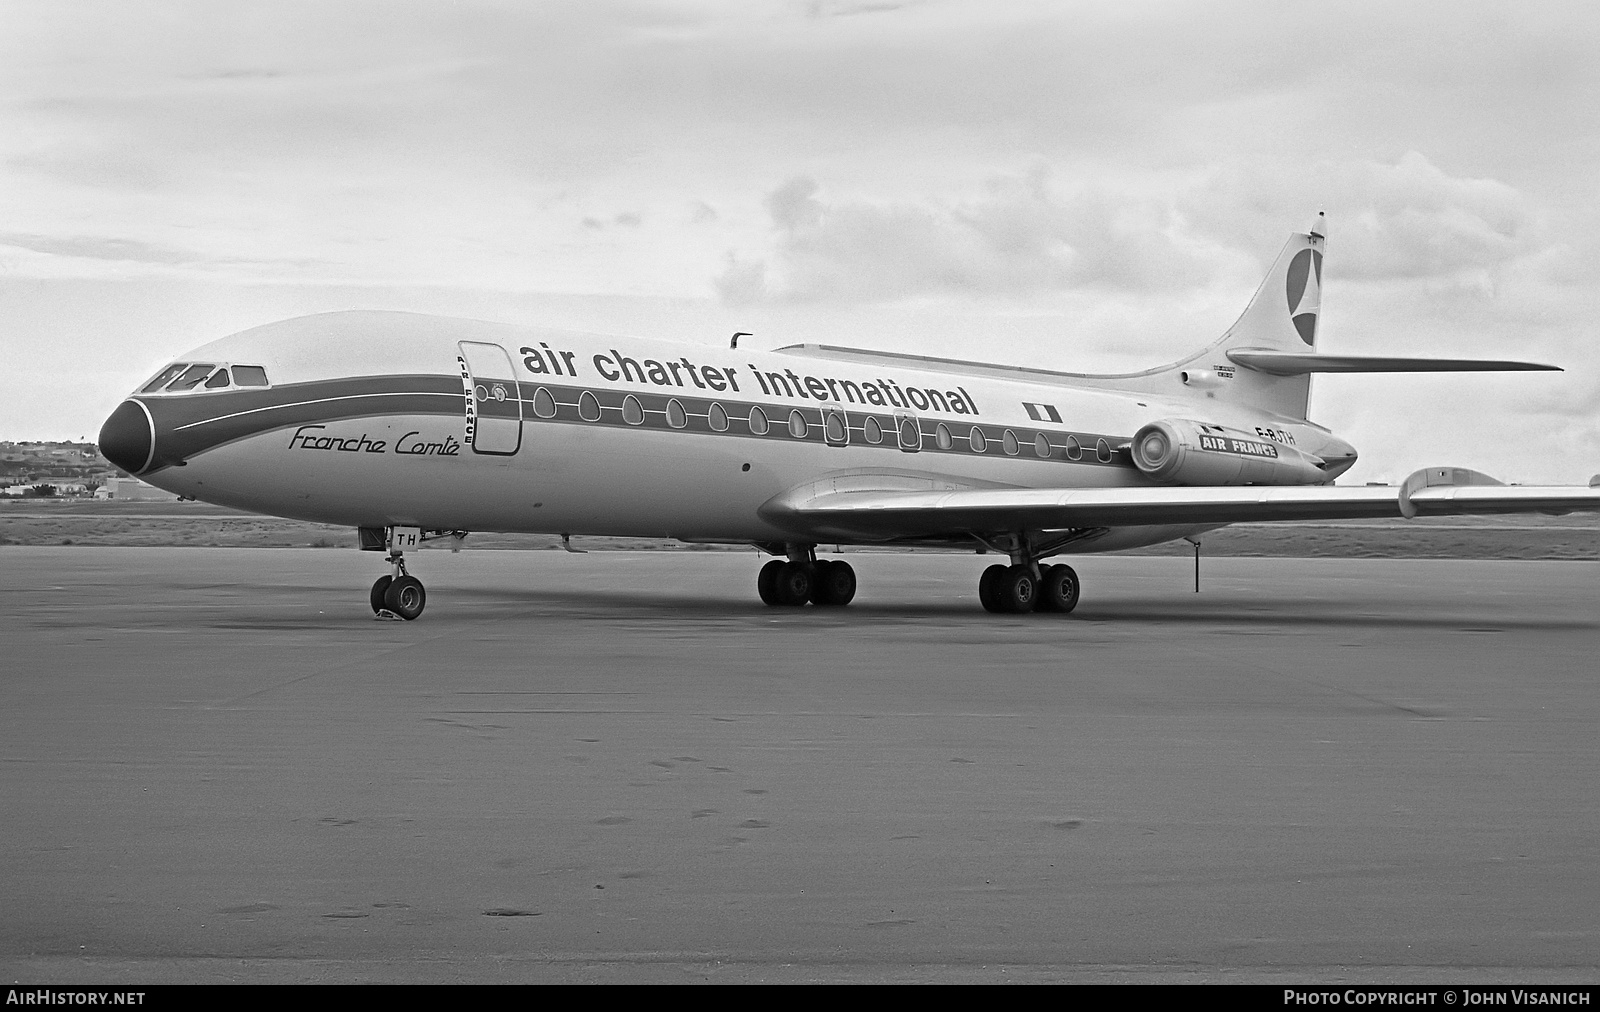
(398, 595)
(404, 597)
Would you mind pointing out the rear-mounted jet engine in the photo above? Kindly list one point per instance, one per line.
(1196, 453)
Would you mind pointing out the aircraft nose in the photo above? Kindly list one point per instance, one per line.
(128, 439)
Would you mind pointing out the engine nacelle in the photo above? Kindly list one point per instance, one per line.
(1195, 453)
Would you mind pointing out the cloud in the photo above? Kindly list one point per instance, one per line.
(1406, 219)
(99, 248)
(1018, 237)
(1413, 220)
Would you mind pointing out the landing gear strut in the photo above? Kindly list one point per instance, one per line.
(805, 578)
(1026, 586)
(400, 594)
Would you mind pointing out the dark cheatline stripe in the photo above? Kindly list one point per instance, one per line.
(192, 423)
(614, 413)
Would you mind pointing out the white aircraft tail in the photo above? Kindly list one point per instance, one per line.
(1281, 317)
(1265, 360)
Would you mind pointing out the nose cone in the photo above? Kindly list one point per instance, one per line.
(127, 439)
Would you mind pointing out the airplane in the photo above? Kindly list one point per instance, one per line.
(410, 428)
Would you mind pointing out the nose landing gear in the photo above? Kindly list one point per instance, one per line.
(398, 595)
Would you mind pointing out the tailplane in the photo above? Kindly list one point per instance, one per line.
(1265, 360)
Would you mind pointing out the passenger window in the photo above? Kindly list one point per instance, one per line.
(1074, 448)
(218, 379)
(758, 422)
(632, 410)
(190, 379)
(589, 407)
(676, 416)
(249, 376)
(1102, 449)
(1008, 443)
(797, 424)
(163, 378)
(942, 436)
(833, 427)
(977, 440)
(910, 435)
(544, 403)
(1041, 445)
(872, 430)
(717, 418)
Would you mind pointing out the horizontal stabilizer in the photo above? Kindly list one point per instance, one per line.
(1290, 363)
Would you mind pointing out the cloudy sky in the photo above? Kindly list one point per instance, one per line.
(1081, 186)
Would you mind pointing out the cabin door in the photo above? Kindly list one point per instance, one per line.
(494, 400)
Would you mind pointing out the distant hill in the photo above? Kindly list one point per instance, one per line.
(61, 465)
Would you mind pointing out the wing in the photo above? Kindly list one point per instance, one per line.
(828, 511)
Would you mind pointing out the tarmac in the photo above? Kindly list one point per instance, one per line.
(216, 765)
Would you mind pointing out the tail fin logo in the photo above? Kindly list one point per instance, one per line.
(1304, 288)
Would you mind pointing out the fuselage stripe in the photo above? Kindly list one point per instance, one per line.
(181, 437)
(319, 400)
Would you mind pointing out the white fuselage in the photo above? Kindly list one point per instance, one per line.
(379, 419)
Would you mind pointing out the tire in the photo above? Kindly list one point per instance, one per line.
(793, 585)
(1016, 590)
(767, 582)
(986, 585)
(379, 589)
(833, 583)
(1058, 591)
(1041, 600)
(405, 597)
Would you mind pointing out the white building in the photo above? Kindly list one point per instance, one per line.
(137, 491)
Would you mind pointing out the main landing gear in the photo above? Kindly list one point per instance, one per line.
(803, 578)
(1026, 585)
(1018, 589)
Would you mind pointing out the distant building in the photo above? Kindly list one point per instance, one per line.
(137, 491)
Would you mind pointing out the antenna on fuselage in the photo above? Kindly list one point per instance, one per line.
(735, 342)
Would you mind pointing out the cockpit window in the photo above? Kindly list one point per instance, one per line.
(249, 376)
(190, 379)
(218, 379)
(163, 378)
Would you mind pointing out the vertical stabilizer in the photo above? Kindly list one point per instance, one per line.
(1282, 316)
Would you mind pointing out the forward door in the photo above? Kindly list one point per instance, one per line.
(494, 400)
